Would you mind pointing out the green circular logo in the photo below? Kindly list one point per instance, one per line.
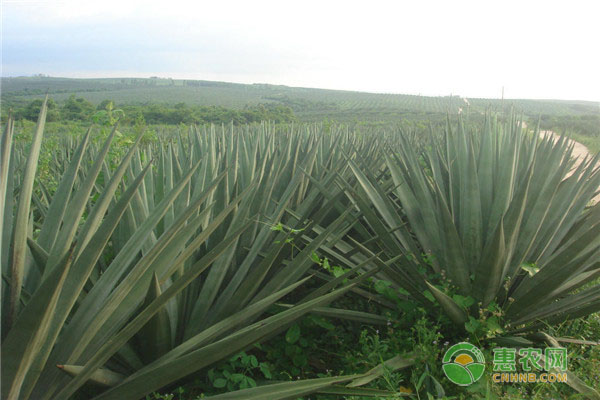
(463, 364)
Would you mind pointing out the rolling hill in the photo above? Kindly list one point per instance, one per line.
(307, 103)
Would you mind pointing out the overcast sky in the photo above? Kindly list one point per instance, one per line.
(535, 49)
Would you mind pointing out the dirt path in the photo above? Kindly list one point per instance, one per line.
(580, 152)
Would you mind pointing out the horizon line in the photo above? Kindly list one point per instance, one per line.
(41, 75)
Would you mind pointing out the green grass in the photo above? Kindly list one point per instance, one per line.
(591, 142)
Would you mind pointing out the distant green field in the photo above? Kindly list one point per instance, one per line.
(578, 118)
(309, 104)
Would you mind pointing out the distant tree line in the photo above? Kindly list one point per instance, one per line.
(303, 105)
(586, 124)
(184, 113)
(80, 109)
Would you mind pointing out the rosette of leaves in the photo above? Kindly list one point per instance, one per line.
(134, 273)
(484, 220)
